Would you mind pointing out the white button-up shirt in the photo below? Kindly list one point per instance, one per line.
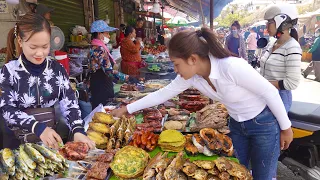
(243, 91)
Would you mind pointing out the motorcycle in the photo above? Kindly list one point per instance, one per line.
(302, 157)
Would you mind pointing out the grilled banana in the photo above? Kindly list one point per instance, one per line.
(103, 118)
(99, 127)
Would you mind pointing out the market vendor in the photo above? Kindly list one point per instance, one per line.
(31, 85)
(140, 35)
(45, 11)
(259, 123)
(130, 53)
(101, 65)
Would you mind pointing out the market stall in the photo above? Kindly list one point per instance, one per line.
(183, 137)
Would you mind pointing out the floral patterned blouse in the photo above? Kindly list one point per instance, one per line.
(99, 59)
(22, 90)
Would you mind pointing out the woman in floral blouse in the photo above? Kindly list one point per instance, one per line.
(34, 81)
(101, 65)
(130, 53)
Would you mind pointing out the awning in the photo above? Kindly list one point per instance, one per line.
(192, 7)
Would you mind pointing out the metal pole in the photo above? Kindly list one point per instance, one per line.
(211, 14)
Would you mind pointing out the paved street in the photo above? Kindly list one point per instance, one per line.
(308, 90)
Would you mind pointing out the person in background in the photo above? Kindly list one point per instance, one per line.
(315, 63)
(34, 82)
(130, 53)
(45, 11)
(140, 35)
(259, 124)
(160, 35)
(246, 33)
(252, 45)
(281, 62)
(120, 35)
(235, 42)
(101, 65)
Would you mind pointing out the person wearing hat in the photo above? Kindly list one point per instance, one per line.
(101, 65)
(281, 62)
(45, 11)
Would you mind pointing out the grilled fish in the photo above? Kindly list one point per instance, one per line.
(7, 158)
(28, 161)
(34, 154)
(46, 153)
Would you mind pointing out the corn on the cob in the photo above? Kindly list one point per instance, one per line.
(103, 118)
(46, 153)
(34, 154)
(29, 162)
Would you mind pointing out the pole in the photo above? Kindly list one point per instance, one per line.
(202, 15)
(162, 8)
(211, 14)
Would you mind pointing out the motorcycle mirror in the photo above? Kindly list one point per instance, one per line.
(262, 42)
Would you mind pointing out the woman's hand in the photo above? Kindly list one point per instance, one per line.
(79, 137)
(50, 138)
(286, 137)
(119, 112)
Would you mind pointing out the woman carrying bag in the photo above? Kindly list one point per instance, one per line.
(31, 85)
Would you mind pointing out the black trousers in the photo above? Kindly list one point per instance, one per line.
(101, 88)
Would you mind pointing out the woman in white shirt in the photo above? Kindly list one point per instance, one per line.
(259, 123)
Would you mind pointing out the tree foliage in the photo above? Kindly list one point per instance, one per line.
(234, 13)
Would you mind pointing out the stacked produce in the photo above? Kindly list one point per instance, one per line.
(162, 167)
(144, 140)
(151, 121)
(171, 140)
(74, 151)
(30, 161)
(129, 162)
(212, 116)
(109, 133)
(209, 142)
